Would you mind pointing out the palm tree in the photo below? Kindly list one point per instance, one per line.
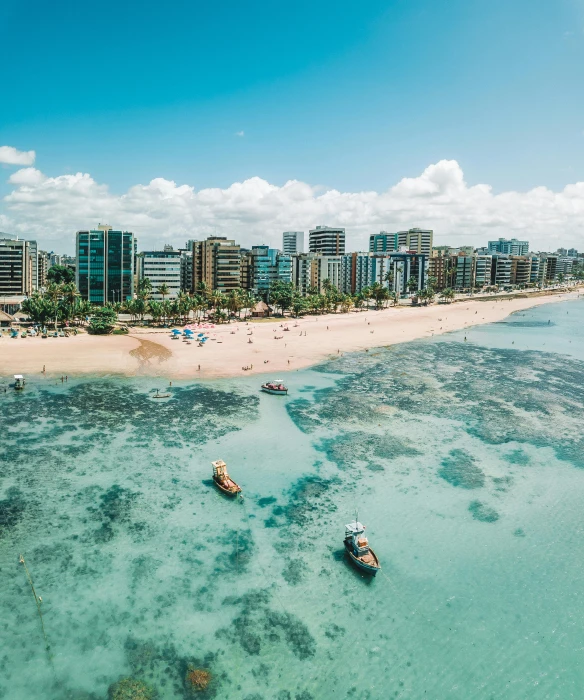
(163, 290)
(447, 294)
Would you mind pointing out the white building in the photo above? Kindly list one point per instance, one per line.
(293, 242)
(161, 267)
(327, 240)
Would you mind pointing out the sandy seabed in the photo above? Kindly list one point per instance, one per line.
(308, 341)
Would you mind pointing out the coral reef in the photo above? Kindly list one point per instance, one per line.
(131, 689)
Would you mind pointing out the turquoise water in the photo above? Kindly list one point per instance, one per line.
(465, 460)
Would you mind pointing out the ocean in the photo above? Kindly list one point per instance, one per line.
(462, 454)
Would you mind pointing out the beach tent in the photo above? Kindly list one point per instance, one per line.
(261, 309)
(5, 319)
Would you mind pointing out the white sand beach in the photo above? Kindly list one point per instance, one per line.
(308, 341)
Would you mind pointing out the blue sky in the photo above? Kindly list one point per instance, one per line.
(347, 95)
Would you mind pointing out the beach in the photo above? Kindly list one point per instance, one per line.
(257, 346)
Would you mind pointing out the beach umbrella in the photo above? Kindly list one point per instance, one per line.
(175, 331)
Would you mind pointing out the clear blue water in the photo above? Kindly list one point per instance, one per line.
(465, 459)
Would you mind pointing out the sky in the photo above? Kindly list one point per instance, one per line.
(185, 119)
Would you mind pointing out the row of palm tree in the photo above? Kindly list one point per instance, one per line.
(62, 302)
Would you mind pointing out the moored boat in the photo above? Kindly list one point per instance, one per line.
(275, 387)
(222, 479)
(358, 549)
(19, 382)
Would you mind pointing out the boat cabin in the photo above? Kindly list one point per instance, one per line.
(220, 470)
(355, 532)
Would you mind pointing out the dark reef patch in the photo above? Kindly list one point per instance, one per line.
(258, 625)
(484, 513)
(12, 509)
(460, 469)
(371, 449)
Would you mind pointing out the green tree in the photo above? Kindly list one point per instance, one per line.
(60, 274)
(447, 294)
(102, 321)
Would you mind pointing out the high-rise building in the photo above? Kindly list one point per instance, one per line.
(326, 240)
(465, 271)
(42, 268)
(500, 270)
(186, 270)
(572, 253)
(105, 265)
(509, 246)
(483, 270)
(521, 270)
(406, 266)
(416, 240)
(293, 242)
(360, 270)
(217, 263)
(262, 266)
(16, 268)
(161, 267)
(382, 242)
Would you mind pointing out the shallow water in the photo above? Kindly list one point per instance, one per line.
(464, 459)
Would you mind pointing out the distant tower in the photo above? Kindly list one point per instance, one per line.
(292, 242)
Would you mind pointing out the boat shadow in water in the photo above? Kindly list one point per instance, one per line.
(341, 556)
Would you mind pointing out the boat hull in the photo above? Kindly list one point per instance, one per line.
(371, 569)
(277, 392)
(231, 491)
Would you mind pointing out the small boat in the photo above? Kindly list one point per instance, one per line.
(222, 479)
(275, 387)
(158, 395)
(358, 549)
(19, 382)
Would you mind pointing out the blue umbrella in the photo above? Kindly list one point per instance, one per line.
(176, 331)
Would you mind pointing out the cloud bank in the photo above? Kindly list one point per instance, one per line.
(12, 156)
(51, 209)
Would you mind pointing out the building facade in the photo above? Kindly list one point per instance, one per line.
(262, 266)
(293, 242)
(327, 241)
(16, 268)
(105, 265)
(509, 246)
(217, 263)
(161, 268)
(500, 270)
(360, 270)
(382, 242)
(417, 240)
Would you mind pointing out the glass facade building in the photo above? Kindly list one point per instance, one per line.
(105, 265)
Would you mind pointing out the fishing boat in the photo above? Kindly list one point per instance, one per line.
(222, 479)
(275, 387)
(358, 549)
(19, 382)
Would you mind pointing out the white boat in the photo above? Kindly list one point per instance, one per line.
(275, 387)
(19, 382)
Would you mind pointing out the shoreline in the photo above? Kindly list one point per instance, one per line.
(309, 341)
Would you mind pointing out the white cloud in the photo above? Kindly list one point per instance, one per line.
(255, 211)
(240, 133)
(12, 156)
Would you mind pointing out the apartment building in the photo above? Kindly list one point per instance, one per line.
(16, 268)
(217, 263)
(416, 240)
(161, 267)
(327, 240)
